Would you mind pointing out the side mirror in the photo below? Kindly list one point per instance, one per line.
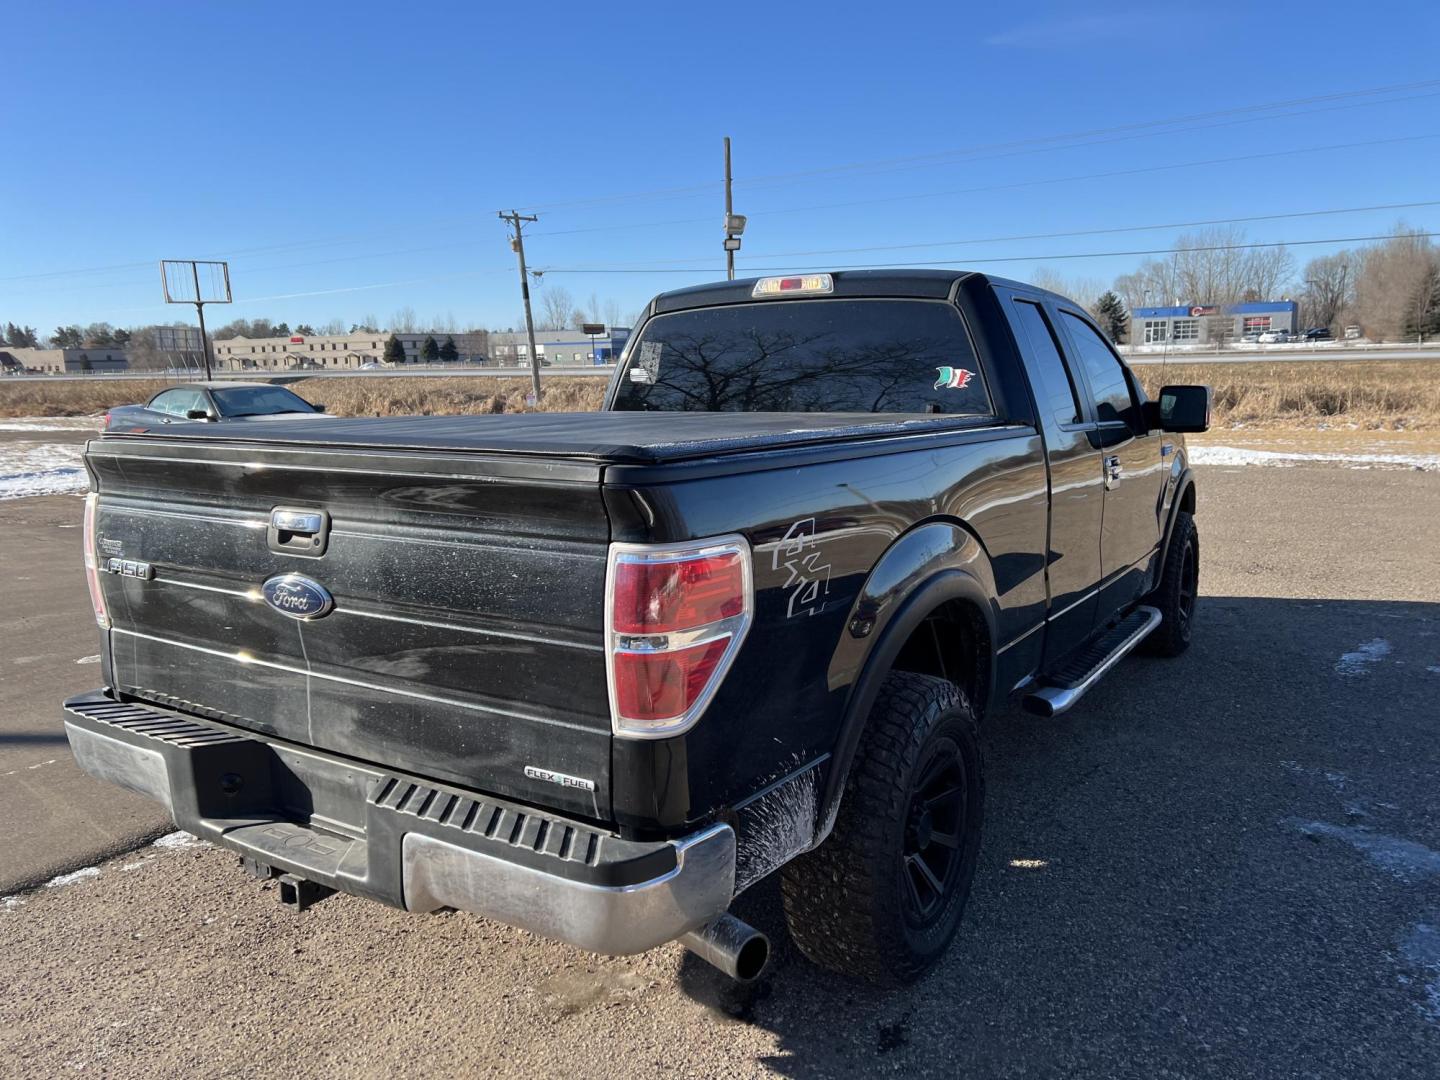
(317, 408)
(1181, 409)
(197, 414)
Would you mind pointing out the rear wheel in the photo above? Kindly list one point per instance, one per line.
(1178, 591)
(882, 897)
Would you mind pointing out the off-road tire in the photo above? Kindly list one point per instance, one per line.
(846, 902)
(1176, 595)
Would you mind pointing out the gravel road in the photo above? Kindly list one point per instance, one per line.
(1226, 865)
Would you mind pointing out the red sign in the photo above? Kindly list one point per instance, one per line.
(297, 341)
(1208, 309)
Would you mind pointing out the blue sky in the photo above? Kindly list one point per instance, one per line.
(355, 154)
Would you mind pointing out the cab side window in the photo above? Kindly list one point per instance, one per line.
(1108, 384)
(1057, 386)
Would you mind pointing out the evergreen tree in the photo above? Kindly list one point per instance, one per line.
(305, 330)
(64, 337)
(281, 329)
(429, 349)
(122, 338)
(394, 351)
(448, 353)
(1111, 315)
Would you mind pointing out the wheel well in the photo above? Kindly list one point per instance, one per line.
(1187, 500)
(953, 642)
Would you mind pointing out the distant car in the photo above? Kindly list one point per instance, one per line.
(1353, 333)
(213, 403)
(1275, 337)
(371, 365)
(1319, 333)
(1252, 338)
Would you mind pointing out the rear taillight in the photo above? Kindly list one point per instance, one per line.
(105, 422)
(675, 617)
(92, 562)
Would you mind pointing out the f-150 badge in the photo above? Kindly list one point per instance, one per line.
(298, 597)
(953, 378)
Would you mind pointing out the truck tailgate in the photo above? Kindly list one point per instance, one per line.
(465, 639)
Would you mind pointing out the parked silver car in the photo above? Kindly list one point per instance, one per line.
(213, 403)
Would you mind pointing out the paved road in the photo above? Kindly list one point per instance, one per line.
(1285, 354)
(1230, 356)
(1226, 865)
(593, 370)
(52, 816)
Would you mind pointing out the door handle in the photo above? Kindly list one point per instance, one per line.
(1113, 471)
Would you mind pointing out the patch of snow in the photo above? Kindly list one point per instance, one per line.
(1422, 948)
(10, 903)
(50, 423)
(41, 469)
(1356, 663)
(72, 877)
(1235, 455)
(178, 840)
(1406, 859)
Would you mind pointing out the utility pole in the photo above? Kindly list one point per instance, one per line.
(517, 222)
(734, 223)
(729, 209)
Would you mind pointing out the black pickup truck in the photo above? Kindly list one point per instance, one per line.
(596, 674)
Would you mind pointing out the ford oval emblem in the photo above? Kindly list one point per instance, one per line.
(297, 596)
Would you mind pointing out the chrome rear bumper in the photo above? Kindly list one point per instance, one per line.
(405, 842)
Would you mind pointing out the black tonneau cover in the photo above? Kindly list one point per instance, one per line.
(619, 437)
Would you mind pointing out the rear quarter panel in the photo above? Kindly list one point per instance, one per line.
(817, 531)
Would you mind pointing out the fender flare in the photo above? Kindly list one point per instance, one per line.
(940, 587)
(1185, 484)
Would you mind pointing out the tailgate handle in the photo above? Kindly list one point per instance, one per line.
(298, 531)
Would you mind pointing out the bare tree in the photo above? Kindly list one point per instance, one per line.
(1329, 288)
(404, 321)
(557, 309)
(1390, 280)
(1084, 291)
(613, 315)
(334, 326)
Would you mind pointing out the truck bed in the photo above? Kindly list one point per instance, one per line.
(604, 437)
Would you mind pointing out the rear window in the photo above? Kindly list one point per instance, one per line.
(864, 356)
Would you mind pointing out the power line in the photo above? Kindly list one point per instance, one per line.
(1018, 184)
(992, 259)
(939, 157)
(1009, 145)
(1065, 234)
(1103, 232)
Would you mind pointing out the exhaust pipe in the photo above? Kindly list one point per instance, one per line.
(735, 947)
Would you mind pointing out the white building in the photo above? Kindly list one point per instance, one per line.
(334, 350)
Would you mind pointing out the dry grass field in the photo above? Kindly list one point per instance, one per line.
(1370, 395)
(1374, 395)
(461, 395)
(381, 396)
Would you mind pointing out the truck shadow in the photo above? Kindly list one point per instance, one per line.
(1144, 891)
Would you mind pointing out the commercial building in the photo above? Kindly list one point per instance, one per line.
(567, 348)
(1211, 324)
(64, 361)
(335, 350)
